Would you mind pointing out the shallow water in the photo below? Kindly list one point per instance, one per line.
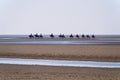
(17, 39)
(67, 63)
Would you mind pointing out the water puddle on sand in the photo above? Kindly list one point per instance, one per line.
(67, 63)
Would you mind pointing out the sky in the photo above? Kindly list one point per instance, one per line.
(60, 16)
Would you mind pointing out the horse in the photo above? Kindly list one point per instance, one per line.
(51, 35)
(41, 36)
(71, 36)
(31, 36)
(61, 36)
(36, 35)
(77, 36)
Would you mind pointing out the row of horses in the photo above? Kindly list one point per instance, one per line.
(62, 36)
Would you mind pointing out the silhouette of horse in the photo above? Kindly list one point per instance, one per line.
(77, 36)
(71, 36)
(93, 36)
(36, 35)
(87, 36)
(61, 36)
(31, 36)
(41, 36)
(83, 36)
(51, 35)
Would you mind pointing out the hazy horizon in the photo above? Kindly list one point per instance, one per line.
(60, 16)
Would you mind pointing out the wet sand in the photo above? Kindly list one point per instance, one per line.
(17, 72)
(70, 52)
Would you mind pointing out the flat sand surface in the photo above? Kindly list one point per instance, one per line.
(72, 52)
(17, 72)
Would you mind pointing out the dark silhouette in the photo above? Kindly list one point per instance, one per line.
(77, 36)
(41, 36)
(36, 35)
(71, 36)
(93, 36)
(31, 36)
(87, 36)
(51, 35)
(61, 36)
(83, 36)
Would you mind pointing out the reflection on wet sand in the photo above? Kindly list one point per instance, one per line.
(67, 63)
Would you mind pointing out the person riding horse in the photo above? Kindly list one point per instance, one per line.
(71, 36)
(36, 35)
(51, 35)
(61, 36)
(31, 36)
(77, 36)
(41, 36)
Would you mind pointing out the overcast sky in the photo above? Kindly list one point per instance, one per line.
(60, 16)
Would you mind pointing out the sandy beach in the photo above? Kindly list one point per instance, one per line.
(65, 52)
(17, 72)
(70, 52)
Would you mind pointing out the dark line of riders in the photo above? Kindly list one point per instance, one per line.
(62, 36)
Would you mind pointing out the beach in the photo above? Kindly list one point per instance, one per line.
(84, 52)
(20, 72)
(69, 52)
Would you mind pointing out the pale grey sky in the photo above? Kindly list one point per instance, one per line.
(60, 16)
